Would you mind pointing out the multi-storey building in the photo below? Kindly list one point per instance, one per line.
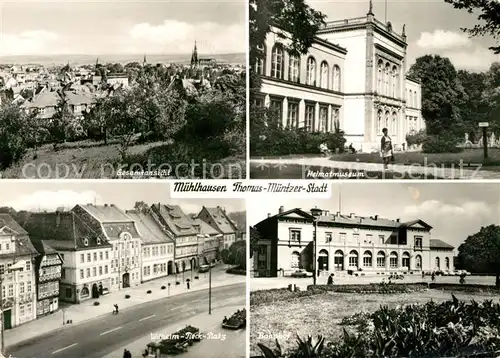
(345, 243)
(17, 274)
(184, 231)
(84, 250)
(218, 219)
(157, 259)
(120, 231)
(353, 78)
(48, 268)
(209, 244)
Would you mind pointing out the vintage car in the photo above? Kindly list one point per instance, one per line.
(236, 321)
(203, 268)
(177, 343)
(299, 273)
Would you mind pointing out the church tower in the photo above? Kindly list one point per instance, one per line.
(194, 57)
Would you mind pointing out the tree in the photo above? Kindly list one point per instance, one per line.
(475, 108)
(59, 125)
(480, 253)
(442, 94)
(225, 256)
(294, 19)
(141, 206)
(15, 134)
(489, 16)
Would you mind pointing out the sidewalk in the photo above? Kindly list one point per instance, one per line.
(217, 342)
(325, 163)
(85, 311)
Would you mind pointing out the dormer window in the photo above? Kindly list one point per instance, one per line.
(86, 242)
(98, 241)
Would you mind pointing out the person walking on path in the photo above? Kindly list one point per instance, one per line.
(127, 354)
(386, 151)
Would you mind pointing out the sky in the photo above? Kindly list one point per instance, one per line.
(455, 211)
(432, 27)
(38, 196)
(122, 27)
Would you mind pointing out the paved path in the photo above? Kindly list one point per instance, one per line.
(112, 333)
(79, 313)
(417, 170)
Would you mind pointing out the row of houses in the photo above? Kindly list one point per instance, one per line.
(336, 243)
(91, 250)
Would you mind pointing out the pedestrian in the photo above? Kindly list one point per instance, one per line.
(433, 277)
(116, 308)
(386, 151)
(127, 354)
(188, 285)
(330, 280)
(423, 275)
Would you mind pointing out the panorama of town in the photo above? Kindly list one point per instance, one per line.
(102, 281)
(133, 120)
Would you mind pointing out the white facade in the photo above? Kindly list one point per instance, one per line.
(366, 88)
(156, 259)
(91, 267)
(126, 263)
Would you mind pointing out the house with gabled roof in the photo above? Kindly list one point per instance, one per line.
(218, 219)
(323, 243)
(157, 258)
(121, 232)
(85, 252)
(184, 231)
(17, 274)
(210, 244)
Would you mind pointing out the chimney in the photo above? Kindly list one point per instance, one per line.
(337, 213)
(398, 220)
(326, 213)
(105, 205)
(269, 215)
(375, 217)
(282, 209)
(316, 212)
(351, 215)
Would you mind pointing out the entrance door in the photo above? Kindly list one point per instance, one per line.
(126, 280)
(95, 291)
(7, 318)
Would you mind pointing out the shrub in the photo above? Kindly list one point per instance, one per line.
(383, 288)
(148, 292)
(96, 303)
(196, 277)
(177, 283)
(127, 296)
(416, 138)
(441, 144)
(163, 287)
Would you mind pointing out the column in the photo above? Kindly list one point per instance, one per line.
(316, 117)
(268, 60)
(387, 260)
(301, 114)
(329, 120)
(284, 113)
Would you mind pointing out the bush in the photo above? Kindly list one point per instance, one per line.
(96, 303)
(440, 144)
(383, 288)
(237, 271)
(416, 138)
(177, 283)
(163, 287)
(127, 296)
(196, 277)
(148, 292)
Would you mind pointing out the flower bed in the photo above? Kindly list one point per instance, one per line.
(277, 294)
(464, 288)
(383, 288)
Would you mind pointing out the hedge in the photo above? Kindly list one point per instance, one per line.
(383, 288)
(236, 271)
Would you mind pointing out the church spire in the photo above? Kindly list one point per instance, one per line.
(194, 56)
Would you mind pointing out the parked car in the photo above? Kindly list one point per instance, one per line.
(300, 273)
(203, 268)
(236, 321)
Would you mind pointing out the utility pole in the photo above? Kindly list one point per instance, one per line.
(1, 314)
(210, 288)
(314, 250)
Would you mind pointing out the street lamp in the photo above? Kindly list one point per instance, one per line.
(315, 244)
(210, 282)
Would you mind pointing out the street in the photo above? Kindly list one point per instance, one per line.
(101, 336)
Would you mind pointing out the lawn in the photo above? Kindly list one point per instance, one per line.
(297, 171)
(467, 157)
(321, 314)
(92, 160)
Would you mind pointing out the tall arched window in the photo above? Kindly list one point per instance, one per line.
(324, 75)
(395, 81)
(387, 79)
(386, 119)
(336, 78)
(367, 259)
(405, 260)
(353, 258)
(380, 77)
(394, 123)
(447, 263)
(277, 64)
(381, 259)
(294, 69)
(393, 260)
(311, 71)
(438, 263)
(379, 121)
(418, 262)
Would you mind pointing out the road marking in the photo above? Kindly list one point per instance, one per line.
(63, 349)
(198, 301)
(111, 330)
(148, 317)
(178, 307)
